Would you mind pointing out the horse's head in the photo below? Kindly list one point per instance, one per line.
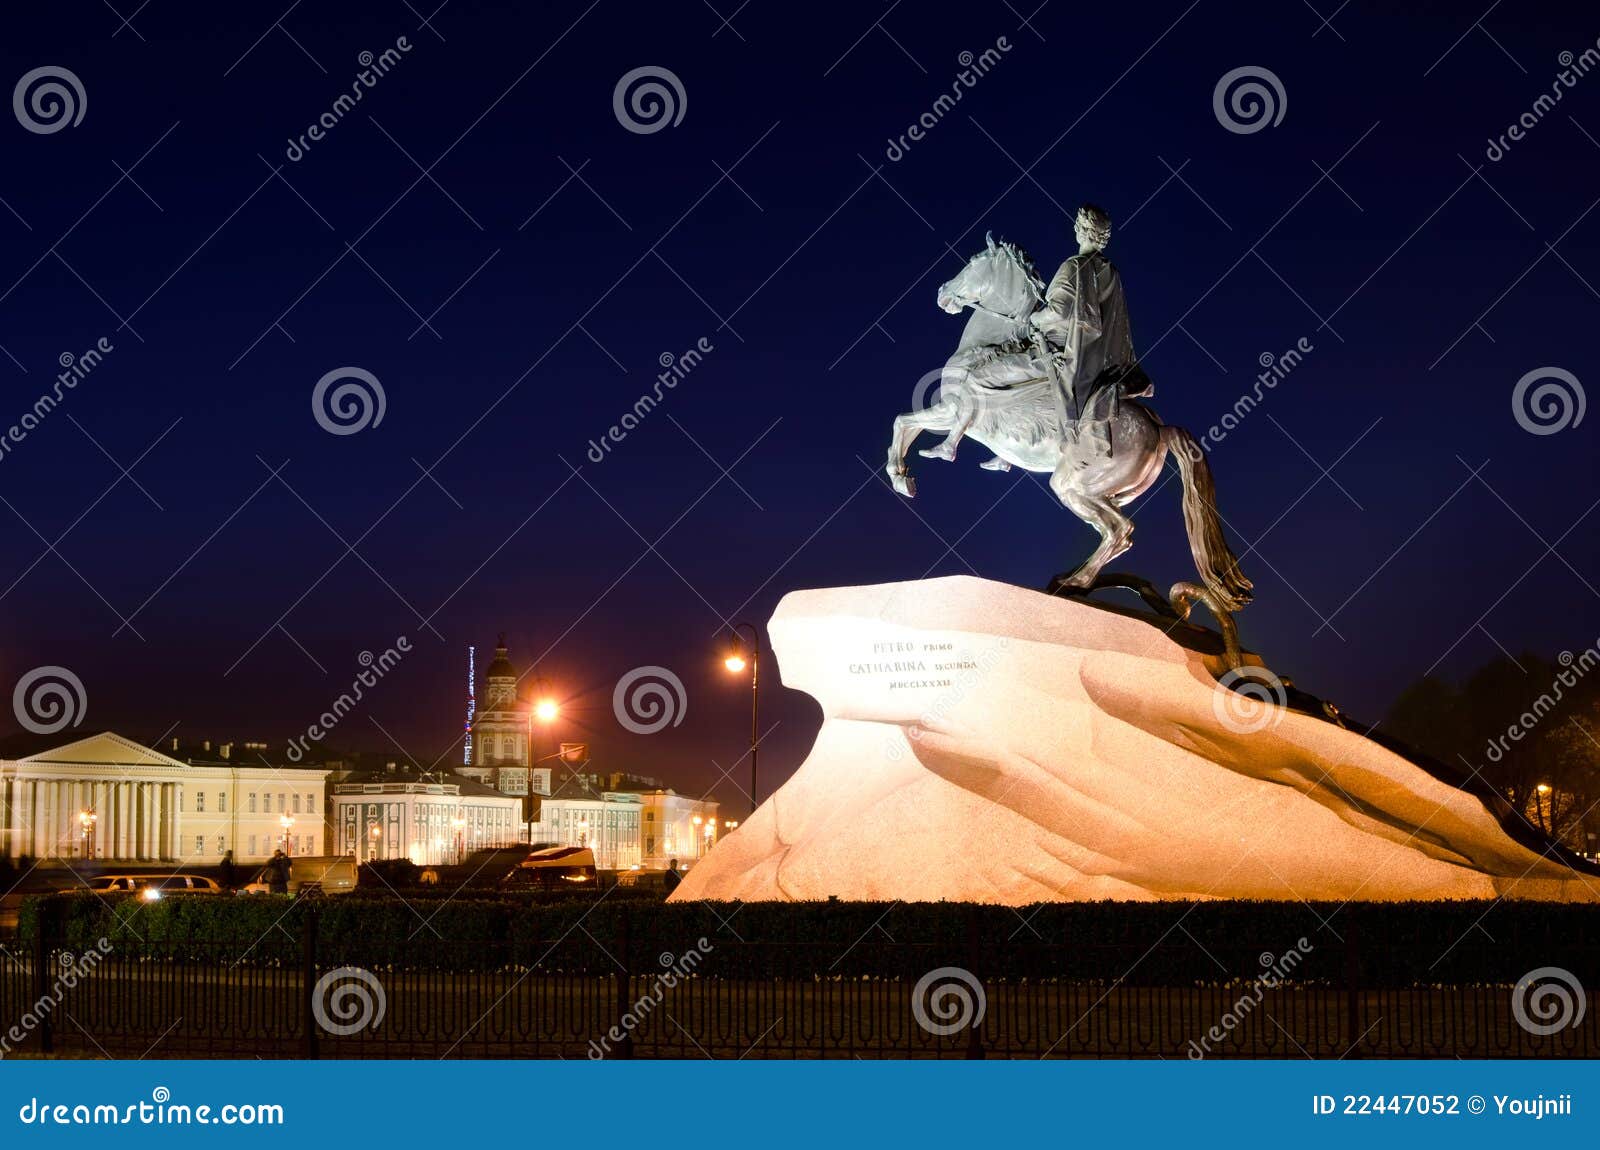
(1000, 278)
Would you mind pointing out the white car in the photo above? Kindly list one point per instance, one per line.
(151, 887)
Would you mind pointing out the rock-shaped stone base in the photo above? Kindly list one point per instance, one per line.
(986, 743)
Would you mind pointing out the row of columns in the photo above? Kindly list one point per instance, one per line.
(135, 821)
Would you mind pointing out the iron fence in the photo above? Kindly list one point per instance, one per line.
(582, 996)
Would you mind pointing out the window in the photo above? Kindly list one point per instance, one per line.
(252, 839)
(199, 842)
(200, 801)
(297, 802)
(281, 802)
(311, 844)
(222, 801)
(311, 804)
(222, 847)
(252, 806)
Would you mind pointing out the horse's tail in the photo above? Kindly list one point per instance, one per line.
(1215, 560)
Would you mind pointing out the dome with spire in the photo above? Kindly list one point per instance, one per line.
(501, 668)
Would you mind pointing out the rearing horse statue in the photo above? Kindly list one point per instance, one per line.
(1000, 381)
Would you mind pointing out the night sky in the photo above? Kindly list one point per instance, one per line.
(515, 300)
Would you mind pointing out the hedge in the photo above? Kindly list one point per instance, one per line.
(1379, 944)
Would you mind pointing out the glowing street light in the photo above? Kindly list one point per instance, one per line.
(86, 820)
(546, 710)
(738, 658)
(287, 823)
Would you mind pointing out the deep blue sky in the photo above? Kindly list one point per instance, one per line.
(813, 277)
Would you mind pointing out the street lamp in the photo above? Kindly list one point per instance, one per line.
(287, 822)
(546, 710)
(377, 833)
(460, 824)
(739, 656)
(86, 819)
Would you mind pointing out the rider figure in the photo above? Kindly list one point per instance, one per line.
(1085, 326)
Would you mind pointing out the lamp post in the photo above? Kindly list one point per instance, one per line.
(287, 822)
(86, 820)
(460, 825)
(376, 832)
(546, 710)
(736, 663)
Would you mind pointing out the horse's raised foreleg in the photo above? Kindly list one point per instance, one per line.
(940, 417)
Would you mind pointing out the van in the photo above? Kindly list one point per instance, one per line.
(555, 868)
(311, 875)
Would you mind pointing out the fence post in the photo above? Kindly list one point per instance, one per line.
(1352, 988)
(41, 977)
(308, 977)
(974, 952)
(624, 990)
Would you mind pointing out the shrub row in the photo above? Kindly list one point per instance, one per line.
(1394, 944)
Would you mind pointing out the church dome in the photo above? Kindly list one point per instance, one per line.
(501, 668)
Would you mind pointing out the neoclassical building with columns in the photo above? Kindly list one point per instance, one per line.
(107, 797)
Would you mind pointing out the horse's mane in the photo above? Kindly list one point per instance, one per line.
(1025, 262)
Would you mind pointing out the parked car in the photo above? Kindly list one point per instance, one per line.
(485, 867)
(555, 868)
(311, 875)
(154, 886)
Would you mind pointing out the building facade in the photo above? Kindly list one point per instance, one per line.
(500, 730)
(107, 797)
(427, 818)
(631, 829)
